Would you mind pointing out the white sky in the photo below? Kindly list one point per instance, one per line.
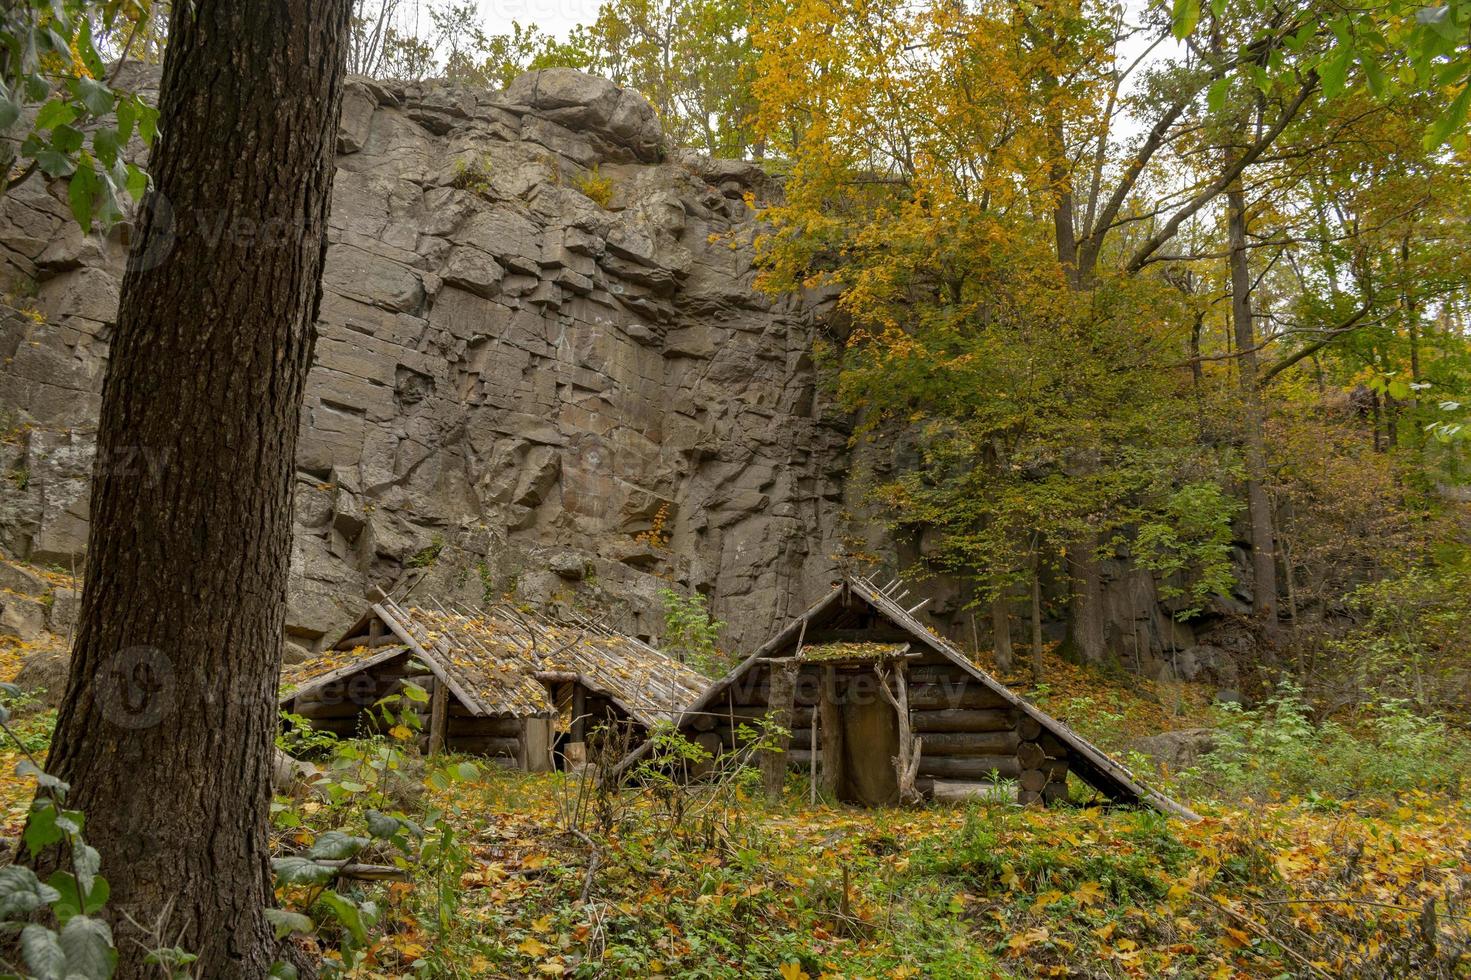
(555, 17)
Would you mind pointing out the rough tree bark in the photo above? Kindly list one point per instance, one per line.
(1001, 631)
(166, 731)
(1258, 504)
(1038, 664)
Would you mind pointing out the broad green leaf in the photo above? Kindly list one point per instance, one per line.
(53, 163)
(57, 112)
(82, 193)
(97, 97)
(22, 893)
(87, 862)
(1447, 124)
(1186, 16)
(9, 112)
(87, 943)
(42, 952)
(287, 922)
(1374, 75)
(147, 122)
(67, 139)
(297, 870)
(382, 826)
(127, 120)
(105, 145)
(88, 50)
(137, 182)
(282, 971)
(41, 830)
(334, 845)
(1333, 70)
(346, 913)
(1215, 99)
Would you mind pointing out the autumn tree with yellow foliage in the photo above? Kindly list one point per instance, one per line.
(1037, 215)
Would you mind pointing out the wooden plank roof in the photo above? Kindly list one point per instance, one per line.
(491, 661)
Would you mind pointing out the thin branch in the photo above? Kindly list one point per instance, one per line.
(1346, 326)
(1226, 178)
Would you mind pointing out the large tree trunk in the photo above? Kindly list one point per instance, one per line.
(1038, 663)
(166, 731)
(1258, 505)
(1001, 630)
(1086, 624)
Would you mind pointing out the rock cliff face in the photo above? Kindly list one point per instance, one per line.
(543, 369)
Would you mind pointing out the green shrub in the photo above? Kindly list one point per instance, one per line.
(427, 555)
(690, 633)
(1278, 751)
(596, 186)
(473, 175)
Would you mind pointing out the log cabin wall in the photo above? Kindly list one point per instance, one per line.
(971, 735)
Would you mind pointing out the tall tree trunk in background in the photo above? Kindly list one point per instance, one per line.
(167, 726)
(1085, 611)
(1039, 666)
(1001, 631)
(1258, 505)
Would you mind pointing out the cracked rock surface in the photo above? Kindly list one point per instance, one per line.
(527, 381)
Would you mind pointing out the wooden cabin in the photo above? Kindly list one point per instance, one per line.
(514, 687)
(880, 704)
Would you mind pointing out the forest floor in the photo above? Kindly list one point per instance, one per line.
(541, 875)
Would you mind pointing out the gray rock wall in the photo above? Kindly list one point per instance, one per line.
(518, 388)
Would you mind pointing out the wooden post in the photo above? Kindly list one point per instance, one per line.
(832, 732)
(906, 763)
(816, 764)
(579, 712)
(438, 716)
(779, 715)
(780, 697)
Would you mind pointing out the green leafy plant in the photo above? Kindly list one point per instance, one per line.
(473, 175)
(80, 124)
(1187, 544)
(357, 813)
(427, 555)
(596, 186)
(691, 634)
(1277, 750)
(81, 944)
(297, 737)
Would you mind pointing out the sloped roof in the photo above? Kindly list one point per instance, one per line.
(492, 660)
(1087, 760)
(330, 665)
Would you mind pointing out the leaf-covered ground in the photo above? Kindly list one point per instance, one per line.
(547, 877)
(946, 892)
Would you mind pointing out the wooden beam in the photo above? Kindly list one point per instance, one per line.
(438, 717)
(829, 721)
(859, 636)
